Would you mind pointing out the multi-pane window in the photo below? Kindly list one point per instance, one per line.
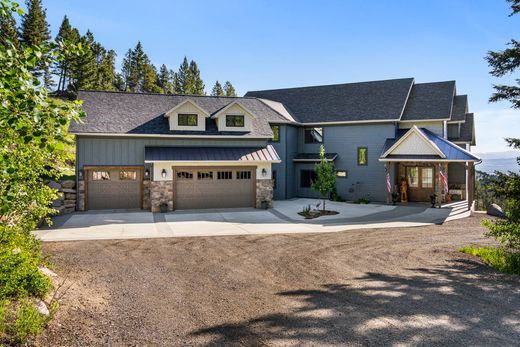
(412, 173)
(341, 173)
(362, 156)
(128, 175)
(427, 177)
(243, 175)
(224, 175)
(306, 178)
(184, 175)
(313, 135)
(276, 133)
(100, 176)
(234, 120)
(189, 120)
(205, 175)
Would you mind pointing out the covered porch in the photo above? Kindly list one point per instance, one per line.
(426, 166)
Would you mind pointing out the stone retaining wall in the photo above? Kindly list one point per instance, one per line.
(66, 202)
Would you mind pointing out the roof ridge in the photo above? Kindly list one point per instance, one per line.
(331, 85)
(161, 94)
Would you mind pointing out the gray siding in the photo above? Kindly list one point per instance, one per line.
(456, 173)
(362, 181)
(287, 149)
(130, 151)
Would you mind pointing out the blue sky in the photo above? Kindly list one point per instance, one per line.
(276, 44)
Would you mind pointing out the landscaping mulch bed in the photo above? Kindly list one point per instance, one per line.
(318, 213)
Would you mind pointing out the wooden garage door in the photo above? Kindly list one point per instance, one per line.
(114, 188)
(204, 188)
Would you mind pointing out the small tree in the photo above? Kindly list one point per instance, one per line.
(325, 180)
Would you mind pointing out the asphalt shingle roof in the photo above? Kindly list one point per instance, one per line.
(460, 108)
(135, 113)
(430, 101)
(376, 100)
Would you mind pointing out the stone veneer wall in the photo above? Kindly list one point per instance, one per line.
(264, 192)
(146, 195)
(81, 196)
(161, 191)
(66, 202)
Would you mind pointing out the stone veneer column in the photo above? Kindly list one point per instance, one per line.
(264, 192)
(161, 191)
(146, 195)
(81, 196)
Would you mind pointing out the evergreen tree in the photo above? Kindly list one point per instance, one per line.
(229, 89)
(106, 71)
(150, 79)
(164, 80)
(84, 69)
(217, 89)
(8, 31)
(126, 70)
(504, 63)
(185, 79)
(61, 68)
(198, 84)
(34, 31)
(139, 74)
(177, 88)
(119, 82)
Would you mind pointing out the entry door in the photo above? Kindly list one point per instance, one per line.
(420, 182)
(206, 188)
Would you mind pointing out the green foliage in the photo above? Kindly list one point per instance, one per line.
(325, 180)
(138, 72)
(362, 201)
(164, 80)
(198, 84)
(217, 89)
(8, 33)
(229, 90)
(19, 320)
(496, 257)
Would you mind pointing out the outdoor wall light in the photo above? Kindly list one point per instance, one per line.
(147, 173)
(80, 175)
(264, 172)
(163, 173)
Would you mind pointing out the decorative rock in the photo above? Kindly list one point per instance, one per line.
(54, 185)
(70, 196)
(66, 190)
(47, 271)
(68, 184)
(70, 205)
(41, 307)
(70, 202)
(495, 210)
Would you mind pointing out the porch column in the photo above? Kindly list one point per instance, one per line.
(470, 184)
(438, 185)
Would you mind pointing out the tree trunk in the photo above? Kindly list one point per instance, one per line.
(323, 205)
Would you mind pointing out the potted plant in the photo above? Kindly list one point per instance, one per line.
(163, 207)
(395, 198)
(433, 199)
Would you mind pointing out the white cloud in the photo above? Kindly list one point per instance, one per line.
(492, 126)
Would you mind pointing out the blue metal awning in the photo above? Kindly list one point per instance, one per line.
(226, 154)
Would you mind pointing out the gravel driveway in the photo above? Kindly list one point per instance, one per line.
(380, 287)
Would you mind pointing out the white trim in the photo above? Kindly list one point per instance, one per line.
(407, 97)
(237, 137)
(219, 113)
(415, 130)
(429, 160)
(167, 114)
(350, 122)
(208, 162)
(310, 160)
(456, 121)
(424, 120)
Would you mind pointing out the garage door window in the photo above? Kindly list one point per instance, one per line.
(184, 175)
(224, 175)
(100, 176)
(243, 175)
(127, 175)
(205, 175)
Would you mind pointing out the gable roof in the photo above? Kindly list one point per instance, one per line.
(467, 130)
(430, 101)
(187, 101)
(376, 101)
(460, 108)
(143, 114)
(449, 150)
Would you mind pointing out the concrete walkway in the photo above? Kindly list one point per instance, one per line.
(283, 218)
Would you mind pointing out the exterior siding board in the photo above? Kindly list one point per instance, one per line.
(362, 181)
(130, 151)
(292, 151)
(280, 168)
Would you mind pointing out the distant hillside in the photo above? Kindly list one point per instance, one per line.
(498, 161)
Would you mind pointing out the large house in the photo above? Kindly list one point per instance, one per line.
(190, 152)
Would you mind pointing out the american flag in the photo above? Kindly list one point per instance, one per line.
(444, 178)
(388, 183)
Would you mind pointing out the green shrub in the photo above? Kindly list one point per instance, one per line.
(19, 320)
(19, 259)
(496, 257)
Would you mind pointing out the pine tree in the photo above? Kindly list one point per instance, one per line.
(177, 88)
(165, 82)
(150, 79)
(217, 89)
(106, 71)
(126, 71)
(119, 82)
(65, 34)
(84, 67)
(185, 78)
(8, 31)
(504, 63)
(198, 84)
(34, 30)
(229, 89)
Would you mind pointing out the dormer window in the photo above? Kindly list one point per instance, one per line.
(235, 121)
(187, 119)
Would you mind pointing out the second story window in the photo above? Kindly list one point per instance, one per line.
(235, 121)
(362, 156)
(276, 133)
(313, 135)
(188, 120)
